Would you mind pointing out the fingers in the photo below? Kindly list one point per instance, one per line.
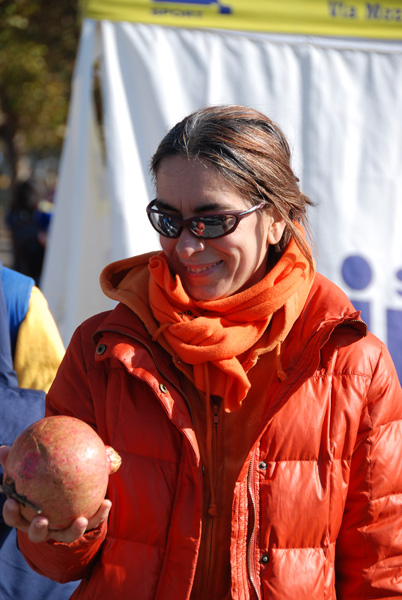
(4, 450)
(38, 529)
(78, 527)
(100, 515)
(67, 536)
(13, 517)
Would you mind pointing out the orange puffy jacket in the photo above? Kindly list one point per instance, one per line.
(317, 508)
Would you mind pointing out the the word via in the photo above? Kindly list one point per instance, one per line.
(342, 10)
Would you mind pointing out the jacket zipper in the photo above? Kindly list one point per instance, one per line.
(216, 416)
(251, 539)
(215, 420)
(289, 387)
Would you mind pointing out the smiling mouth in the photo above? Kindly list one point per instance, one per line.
(198, 270)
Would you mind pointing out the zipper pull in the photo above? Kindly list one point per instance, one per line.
(216, 415)
(216, 404)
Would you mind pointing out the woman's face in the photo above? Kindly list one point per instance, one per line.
(214, 268)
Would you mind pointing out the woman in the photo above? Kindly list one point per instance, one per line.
(258, 422)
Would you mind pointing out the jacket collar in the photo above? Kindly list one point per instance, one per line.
(326, 309)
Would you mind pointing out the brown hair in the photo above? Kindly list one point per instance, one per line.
(253, 155)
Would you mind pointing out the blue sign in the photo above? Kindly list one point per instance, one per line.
(357, 274)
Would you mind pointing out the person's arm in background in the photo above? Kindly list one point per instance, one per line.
(36, 345)
(39, 348)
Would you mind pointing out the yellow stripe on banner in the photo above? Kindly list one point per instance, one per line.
(369, 19)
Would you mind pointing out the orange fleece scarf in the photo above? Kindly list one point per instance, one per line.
(212, 335)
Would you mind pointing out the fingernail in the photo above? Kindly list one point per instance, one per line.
(12, 505)
(40, 524)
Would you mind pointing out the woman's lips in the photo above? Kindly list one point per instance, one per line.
(201, 269)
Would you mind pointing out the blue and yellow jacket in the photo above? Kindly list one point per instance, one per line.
(36, 345)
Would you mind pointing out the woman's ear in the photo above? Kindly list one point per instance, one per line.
(276, 228)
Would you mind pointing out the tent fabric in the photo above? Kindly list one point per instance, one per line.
(338, 100)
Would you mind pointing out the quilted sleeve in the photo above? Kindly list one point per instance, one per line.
(369, 545)
(39, 348)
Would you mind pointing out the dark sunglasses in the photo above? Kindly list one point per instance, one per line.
(204, 226)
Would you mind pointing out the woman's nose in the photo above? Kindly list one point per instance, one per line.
(187, 243)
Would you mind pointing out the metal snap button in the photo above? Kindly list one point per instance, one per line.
(262, 465)
(264, 559)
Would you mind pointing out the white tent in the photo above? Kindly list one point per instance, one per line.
(338, 98)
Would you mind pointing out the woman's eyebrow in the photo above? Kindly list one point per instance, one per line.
(164, 206)
(205, 208)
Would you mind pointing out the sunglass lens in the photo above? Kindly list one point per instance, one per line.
(164, 224)
(214, 226)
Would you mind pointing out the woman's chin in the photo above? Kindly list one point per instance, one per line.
(203, 293)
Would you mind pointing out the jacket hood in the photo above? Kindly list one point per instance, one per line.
(328, 306)
(126, 281)
(114, 277)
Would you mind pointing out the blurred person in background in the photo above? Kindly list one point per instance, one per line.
(28, 220)
(258, 421)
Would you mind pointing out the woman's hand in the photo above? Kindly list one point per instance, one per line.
(38, 530)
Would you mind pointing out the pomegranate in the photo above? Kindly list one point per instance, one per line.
(59, 467)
